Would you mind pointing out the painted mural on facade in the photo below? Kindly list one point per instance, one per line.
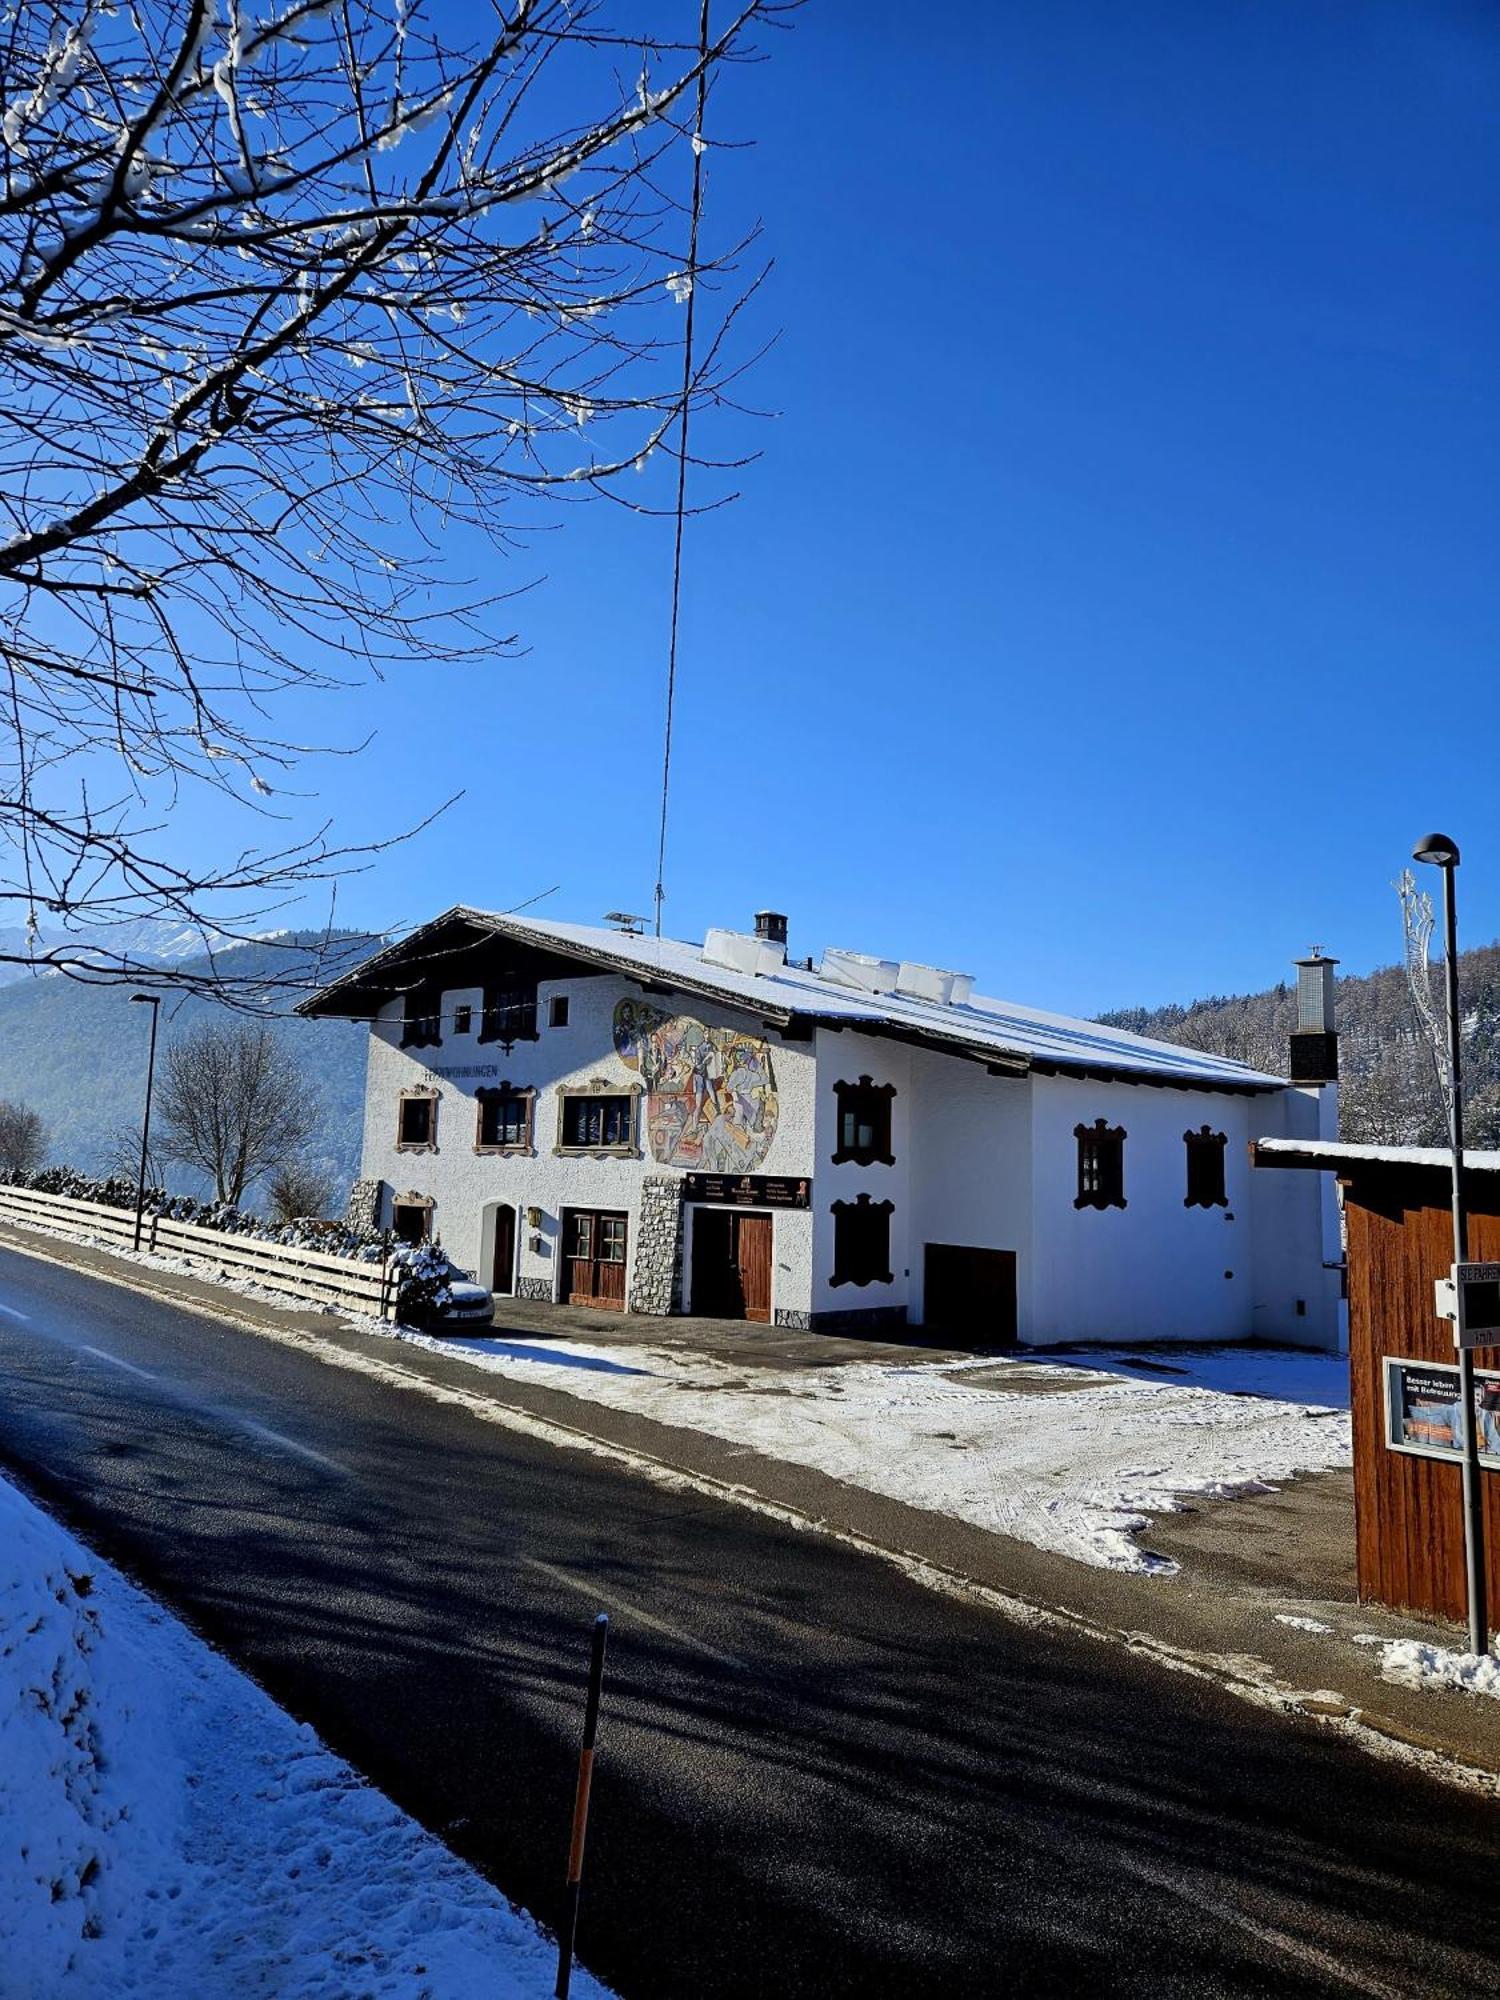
(710, 1092)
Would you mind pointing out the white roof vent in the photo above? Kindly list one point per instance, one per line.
(742, 953)
(924, 982)
(963, 986)
(858, 969)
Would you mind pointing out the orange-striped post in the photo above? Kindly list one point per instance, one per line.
(581, 1808)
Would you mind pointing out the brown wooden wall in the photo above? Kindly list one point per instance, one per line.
(1408, 1511)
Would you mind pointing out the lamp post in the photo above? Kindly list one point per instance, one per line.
(1440, 852)
(153, 1001)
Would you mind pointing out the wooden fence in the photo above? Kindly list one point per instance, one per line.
(301, 1273)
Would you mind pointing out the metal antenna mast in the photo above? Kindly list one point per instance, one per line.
(682, 451)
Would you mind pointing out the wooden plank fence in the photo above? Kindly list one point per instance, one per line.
(301, 1273)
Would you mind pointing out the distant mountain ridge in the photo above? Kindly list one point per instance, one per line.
(1389, 1094)
(76, 1052)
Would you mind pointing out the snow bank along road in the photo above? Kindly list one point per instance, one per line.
(165, 1827)
(816, 1777)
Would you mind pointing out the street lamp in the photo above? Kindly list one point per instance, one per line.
(1441, 852)
(153, 1001)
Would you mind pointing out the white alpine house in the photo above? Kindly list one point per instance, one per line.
(590, 1116)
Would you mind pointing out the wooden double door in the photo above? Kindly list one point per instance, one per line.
(732, 1264)
(594, 1242)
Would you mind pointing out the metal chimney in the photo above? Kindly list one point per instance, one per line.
(770, 925)
(1315, 1041)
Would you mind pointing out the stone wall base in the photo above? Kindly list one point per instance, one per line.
(656, 1278)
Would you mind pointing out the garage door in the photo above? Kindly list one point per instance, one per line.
(971, 1294)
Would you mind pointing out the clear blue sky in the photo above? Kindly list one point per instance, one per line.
(1116, 598)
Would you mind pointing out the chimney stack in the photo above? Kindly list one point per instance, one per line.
(770, 925)
(1315, 1041)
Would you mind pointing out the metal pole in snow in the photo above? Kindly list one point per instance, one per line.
(581, 1808)
(153, 1001)
(1473, 1489)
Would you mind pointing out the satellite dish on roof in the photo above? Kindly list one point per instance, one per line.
(624, 921)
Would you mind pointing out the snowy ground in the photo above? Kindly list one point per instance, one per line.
(167, 1830)
(1074, 1460)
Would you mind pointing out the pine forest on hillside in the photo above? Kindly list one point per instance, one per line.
(1388, 1086)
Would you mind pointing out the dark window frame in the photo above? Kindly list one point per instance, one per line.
(508, 1015)
(862, 1242)
(421, 1094)
(463, 1020)
(1206, 1152)
(557, 1010)
(495, 1096)
(1101, 1165)
(867, 1103)
(422, 1018)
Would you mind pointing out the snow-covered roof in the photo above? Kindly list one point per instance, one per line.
(1001, 1031)
(1349, 1159)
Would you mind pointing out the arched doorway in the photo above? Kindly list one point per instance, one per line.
(503, 1264)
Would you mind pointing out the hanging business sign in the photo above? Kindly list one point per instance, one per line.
(1422, 1411)
(747, 1190)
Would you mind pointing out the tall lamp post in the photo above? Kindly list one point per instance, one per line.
(1441, 852)
(153, 1001)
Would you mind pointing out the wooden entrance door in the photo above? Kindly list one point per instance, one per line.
(594, 1258)
(503, 1275)
(971, 1293)
(732, 1264)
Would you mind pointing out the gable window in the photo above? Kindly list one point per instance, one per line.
(861, 1242)
(504, 1119)
(463, 1020)
(864, 1122)
(598, 1123)
(1205, 1169)
(509, 1014)
(1101, 1165)
(422, 1019)
(557, 1011)
(416, 1121)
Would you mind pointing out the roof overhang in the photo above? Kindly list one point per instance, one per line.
(460, 936)
(1370, 1164)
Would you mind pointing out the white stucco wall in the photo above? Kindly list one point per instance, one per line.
(465, 1186)
(984, 1161)
(971, 1168)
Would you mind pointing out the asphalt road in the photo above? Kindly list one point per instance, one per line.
(815, 1777)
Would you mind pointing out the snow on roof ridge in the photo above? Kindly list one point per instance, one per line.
(1007, 1026)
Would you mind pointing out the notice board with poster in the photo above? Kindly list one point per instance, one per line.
(1422, 1413)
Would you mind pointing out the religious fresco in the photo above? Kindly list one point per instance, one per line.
(710, 1092)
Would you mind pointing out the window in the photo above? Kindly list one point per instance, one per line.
(1101, 1165)
(861, 1242)
(422, 1022)
(463, 1020)
(611, 1239)
(594, 1123)
(504, 1119)
(416, 1122)
(1205, 1169)
(557, 1011)
(509, 1013)
(411, 1218)
(864, 1122)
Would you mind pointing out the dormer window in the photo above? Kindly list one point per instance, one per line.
(422, 1021)
(1205, 1169)
(864, 1123)
(1101, 1165)
(509, 1014)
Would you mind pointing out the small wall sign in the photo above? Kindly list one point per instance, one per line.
(1422, 1411)
(747, 1190)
